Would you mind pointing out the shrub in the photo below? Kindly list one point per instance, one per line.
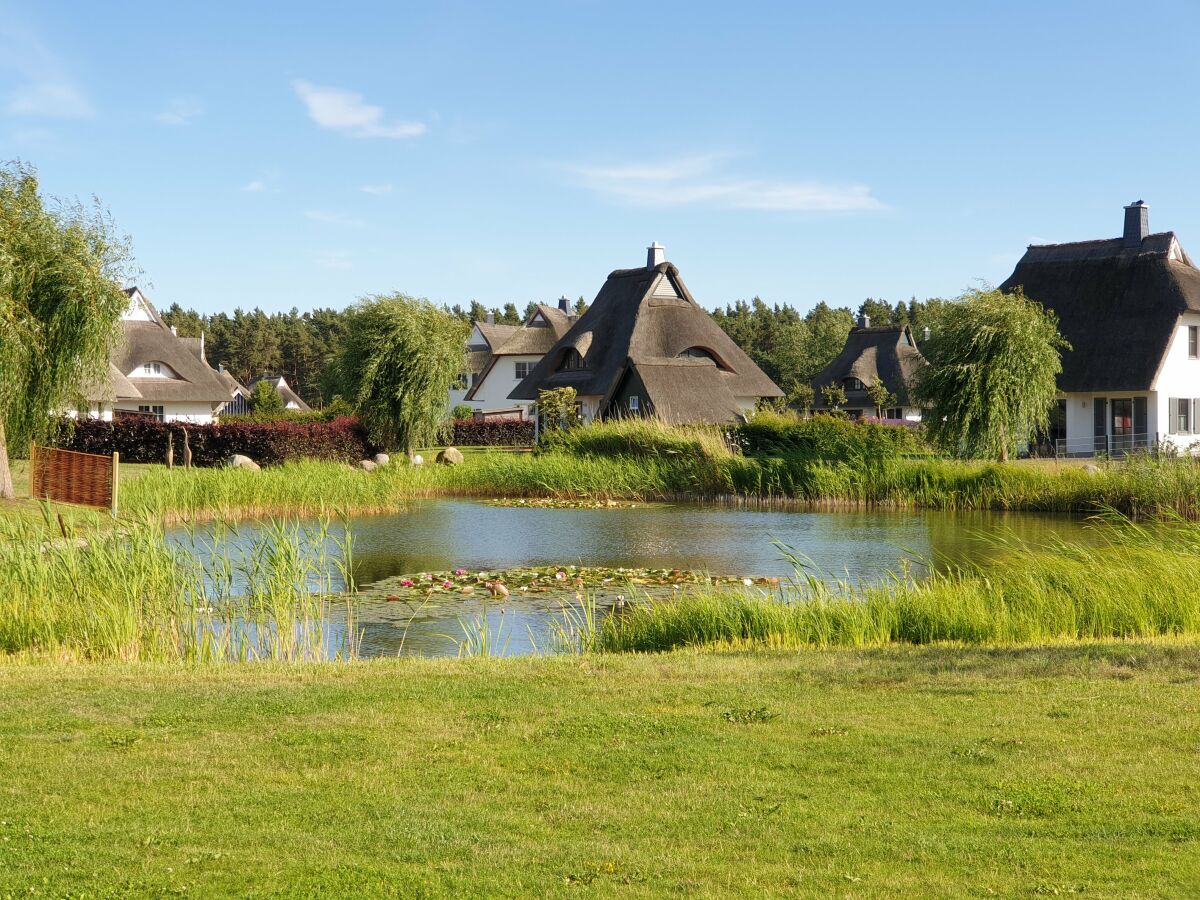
(495, 433)
(144, 440)
(827, 438)
(640, 438)
(461, 411)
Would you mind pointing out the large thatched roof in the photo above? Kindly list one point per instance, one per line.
(1118, 303)
(645, 318)
(886, 353)
(116, 387)
(535, 337)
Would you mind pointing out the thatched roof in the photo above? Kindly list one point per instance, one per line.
(886, 353)
(545, 325)
(1118, 305)
(145, 342)
(686, 391)
(647, 317)
(235, 387)
(116, 387)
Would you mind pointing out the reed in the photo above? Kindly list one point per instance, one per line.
(101, 594)
(1130, 584)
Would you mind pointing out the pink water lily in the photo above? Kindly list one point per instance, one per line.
(460, 571)
(561, 576)
(406, 582)
(447, 585)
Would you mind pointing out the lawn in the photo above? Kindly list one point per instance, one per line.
(933, 772)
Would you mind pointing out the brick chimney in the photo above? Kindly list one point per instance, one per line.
(656, 253)
(864, 321)
(1137, 224)
(564, 304)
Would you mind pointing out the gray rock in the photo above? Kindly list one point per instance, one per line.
(381, 459)
(237, 461)
(451, 456)
(367, 466)
(1092, 469)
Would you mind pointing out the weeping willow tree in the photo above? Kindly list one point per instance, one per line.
(397, 363)
(990, 381)
(60, 307)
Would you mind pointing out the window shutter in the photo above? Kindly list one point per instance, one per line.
(1173, 415)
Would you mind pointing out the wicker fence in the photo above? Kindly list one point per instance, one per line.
(69, 477)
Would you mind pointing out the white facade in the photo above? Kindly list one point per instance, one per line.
(498, 380)
(188, 411)
(1168, 414)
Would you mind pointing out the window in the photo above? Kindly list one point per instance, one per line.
(571, 360)
(475, 378)
(1181, 416)
(1193, 341)
(156, 411)
(697, 353)
(522, 369)
(152, 368)
(633, 404)
(853, 384)
(460, 382)
(1122, 418)
(893, 413)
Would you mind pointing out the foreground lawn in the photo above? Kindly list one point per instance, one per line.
(902, 771)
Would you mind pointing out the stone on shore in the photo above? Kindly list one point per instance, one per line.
(451, 456)
(381, 459)
(367, 466)
(238, 461)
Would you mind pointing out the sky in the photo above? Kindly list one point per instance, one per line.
(307, 154)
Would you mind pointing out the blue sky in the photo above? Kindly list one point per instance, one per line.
(305, 154)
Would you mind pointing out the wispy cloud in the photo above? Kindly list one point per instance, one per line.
(44, 87)
(705, 181)
(376, 189)
(334, 259)
(257, 186)
(180, 111)
(349, 113)
(332, 218)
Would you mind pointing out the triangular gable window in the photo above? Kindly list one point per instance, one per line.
(665, 290)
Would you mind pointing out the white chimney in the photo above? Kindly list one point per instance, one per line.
(491, 318)
(864, 321)
(926, 334)
(174, 332)
(656, 253)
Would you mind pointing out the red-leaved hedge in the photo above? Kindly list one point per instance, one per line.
(144, 440)
(496, 433)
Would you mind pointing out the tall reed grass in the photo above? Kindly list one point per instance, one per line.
(129, 595)
(1140, 487)
(1132, 583)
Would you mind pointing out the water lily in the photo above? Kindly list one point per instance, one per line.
(747, 581)
(406, 582)
(460, 571)
(446, 585)
(560, 575)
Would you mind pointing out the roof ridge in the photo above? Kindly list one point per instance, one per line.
(1118, 239)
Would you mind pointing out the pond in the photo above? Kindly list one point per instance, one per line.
(861, 546)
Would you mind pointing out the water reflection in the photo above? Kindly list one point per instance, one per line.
(863, 546)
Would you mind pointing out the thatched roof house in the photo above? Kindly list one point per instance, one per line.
(291, 400)
(645, 347)
(886, 353)
(1130, 308)
(500, 356)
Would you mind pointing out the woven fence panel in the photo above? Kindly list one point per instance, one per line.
(69, 477)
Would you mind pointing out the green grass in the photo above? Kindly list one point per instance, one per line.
(899, 772)
(1131, 583)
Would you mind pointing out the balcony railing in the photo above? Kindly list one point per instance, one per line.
(1112, 445)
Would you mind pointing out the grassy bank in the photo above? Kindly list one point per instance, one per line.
(1140, 488)
(1129, 583)
(898, 772)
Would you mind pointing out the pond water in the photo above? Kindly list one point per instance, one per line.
(862, 546)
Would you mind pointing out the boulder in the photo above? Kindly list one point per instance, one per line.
(1091, 469)
(367, 466)
(418, 460)
(237, 461)
(451, 456)
(381, 459)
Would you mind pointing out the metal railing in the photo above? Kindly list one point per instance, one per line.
(1111, 445)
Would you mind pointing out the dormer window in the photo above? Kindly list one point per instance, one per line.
(152, 368)
(571, 360)
(853, 384)
(696, 353)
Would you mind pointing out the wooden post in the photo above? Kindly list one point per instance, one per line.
(116, 471)
(32, 470)
(170, 450)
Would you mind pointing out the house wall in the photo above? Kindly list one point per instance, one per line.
(1179, 377)
(197, 413)
(1081, 438)
(492, 392)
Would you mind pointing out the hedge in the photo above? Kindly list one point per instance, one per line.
(144, 440)
(496, 433)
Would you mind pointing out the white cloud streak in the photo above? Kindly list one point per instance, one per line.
(325, 217)
(44, 88)
(180, 111)
(376, 189)
(701, 181)
(349, 113)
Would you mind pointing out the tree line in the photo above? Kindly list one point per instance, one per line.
(790, 346)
